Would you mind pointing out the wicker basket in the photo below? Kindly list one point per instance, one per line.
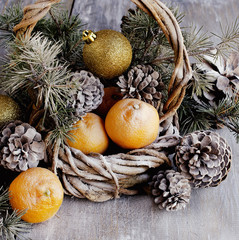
(100, 178)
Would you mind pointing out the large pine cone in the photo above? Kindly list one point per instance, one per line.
(89, 94)
(21, 147)
(144, 83)
(171, 190)
(204, 158)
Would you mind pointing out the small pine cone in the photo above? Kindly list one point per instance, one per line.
(204, 158)
(21, 146)
(88, 95)
(144, 83)
(171, 190)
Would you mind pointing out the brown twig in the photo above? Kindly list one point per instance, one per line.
(72, 7)
(56, 22)
(227, 125)
(150, 44)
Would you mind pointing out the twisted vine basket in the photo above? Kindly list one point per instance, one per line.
(100, 178)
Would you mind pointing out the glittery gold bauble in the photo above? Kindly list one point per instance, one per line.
(9, 110)
(106, 53)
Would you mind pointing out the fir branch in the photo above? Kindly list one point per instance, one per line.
(200, 82)
(225, 113)
(197, 42)
(60, 134)
(227, 107)
(34, 67)
(233, 126)
(67, 30)
(229, 38)
(191, 118)
(144, 34)
(13, 227)
(30, 64)
(4, 198)
(61, 27)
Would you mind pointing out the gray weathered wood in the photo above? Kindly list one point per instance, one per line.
(212, 214)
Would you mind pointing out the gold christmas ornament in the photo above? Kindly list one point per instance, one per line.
(107, 53)
(9, 110)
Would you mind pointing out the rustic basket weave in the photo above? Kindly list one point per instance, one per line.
(98, 177)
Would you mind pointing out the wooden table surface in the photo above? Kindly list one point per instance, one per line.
(213, 213)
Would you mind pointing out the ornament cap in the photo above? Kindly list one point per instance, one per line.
(88, 36)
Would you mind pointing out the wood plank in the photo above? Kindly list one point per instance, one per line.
(104, 14)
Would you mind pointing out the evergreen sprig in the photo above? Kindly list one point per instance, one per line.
(151, 46)
(228, 39)
(4, 198)
(12, 227)
(200, 82)
(146, 37)
(58, 26)
(226, 113)
(191, 118)
(34, 67)
(197, 42)
(67, 30)
(194, 116)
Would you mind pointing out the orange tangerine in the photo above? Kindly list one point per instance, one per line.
(39, 192)
(132, 123)
(89, 135)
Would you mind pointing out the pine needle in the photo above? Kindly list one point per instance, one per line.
(225, 113)
(197, 42)
(191, 118)
(227, 107)
(4, 198)
(67, 30)
(229, 38)
(12, 226)
(200, 82)
(233, 125)
(145, 36)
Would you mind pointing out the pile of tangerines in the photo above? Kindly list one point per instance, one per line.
(129, 123)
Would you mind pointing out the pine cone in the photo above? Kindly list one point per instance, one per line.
(21, 147)
(171, 190)
(204, 158)
(144, 83)
(223, 74)
(88, 96)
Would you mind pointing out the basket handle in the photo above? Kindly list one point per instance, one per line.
(182, 72)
